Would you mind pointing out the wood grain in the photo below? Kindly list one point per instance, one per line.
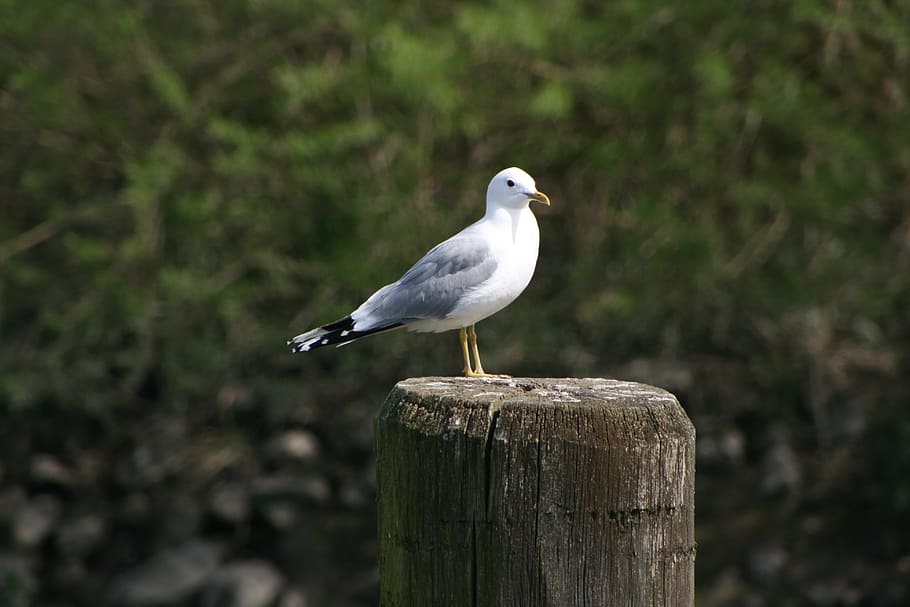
(533, 492)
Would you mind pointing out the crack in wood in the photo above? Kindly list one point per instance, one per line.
(495, 493)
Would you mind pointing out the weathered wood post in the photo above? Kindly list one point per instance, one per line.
(533, 492)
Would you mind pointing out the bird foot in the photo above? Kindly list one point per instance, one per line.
(482, 373)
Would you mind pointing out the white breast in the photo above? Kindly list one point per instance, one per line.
(515, 240)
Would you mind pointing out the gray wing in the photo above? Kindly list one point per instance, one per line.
(433, 286)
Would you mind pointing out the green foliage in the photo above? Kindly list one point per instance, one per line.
(181, 182)
(185, 185)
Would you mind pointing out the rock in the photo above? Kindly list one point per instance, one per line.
(724, 449)
(358, 434)
(48, 470)
(167, 578)
(294, 445)
(230, 503)
(353, 495)
(833, 593)
(155, 454)
(252, 583)
(80, 536)
(16, 582)
(766, 564)
(235, 398)
(301, 489)
(293, 598)
(135, 508)
(182, 518)
(780, 471)
(280, 498)
(903, 565)
(893, 591)
(11, 502)
(35, 520)
(724, 588)
(280, 514)
(69, 573)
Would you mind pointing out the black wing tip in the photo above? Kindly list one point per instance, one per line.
(342, 324)
(331, 336)
(338, 333)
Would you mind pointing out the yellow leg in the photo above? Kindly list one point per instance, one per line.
(463, 336)
(472, 338)
(478, 368)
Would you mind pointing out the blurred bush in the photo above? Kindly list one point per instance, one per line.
(184, 185)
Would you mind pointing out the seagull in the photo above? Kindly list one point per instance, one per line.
(459, 282)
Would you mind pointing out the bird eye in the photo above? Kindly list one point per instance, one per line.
(510, 183)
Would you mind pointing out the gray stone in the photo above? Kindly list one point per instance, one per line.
(155, 455)
(35, 520)
(833, 593)
(11, 501)
(353, 495)
(70, 573)
(766, 563)
(280, 514)
(230, 503)
(183, 518)
(724, 449)
(80, 536)
(280, 498)
(780, 471)
(167, 578)
(294, 445)
(293, 598)
(300, 489)
(252, 583)
(48, 469)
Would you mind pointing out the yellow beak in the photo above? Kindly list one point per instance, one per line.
(540, 197)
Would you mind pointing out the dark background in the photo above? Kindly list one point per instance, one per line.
(185, 185)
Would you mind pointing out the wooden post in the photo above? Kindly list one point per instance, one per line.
(534, 492)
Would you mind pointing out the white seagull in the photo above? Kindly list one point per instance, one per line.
(472, 275)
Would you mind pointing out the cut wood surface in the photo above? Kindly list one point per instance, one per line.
(533, 492)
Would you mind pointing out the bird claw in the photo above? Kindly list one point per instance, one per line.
(486, 375)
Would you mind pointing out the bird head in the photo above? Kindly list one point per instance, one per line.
(514, 188)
